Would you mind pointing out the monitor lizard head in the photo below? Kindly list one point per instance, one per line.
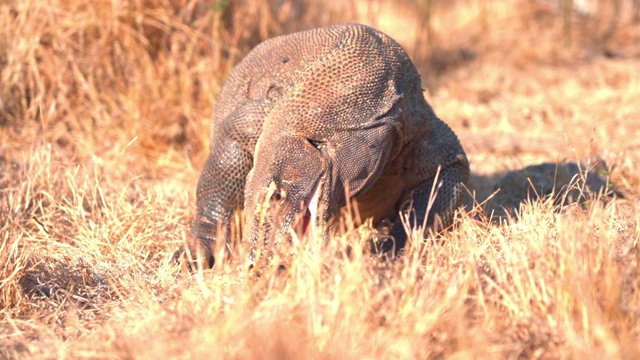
(291, 191)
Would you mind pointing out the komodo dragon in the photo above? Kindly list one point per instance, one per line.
(308, 118)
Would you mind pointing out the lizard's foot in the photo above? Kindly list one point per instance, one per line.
(184, 256)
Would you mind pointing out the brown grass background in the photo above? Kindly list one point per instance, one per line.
(104, 125)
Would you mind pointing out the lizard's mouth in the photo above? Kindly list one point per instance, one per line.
(309, 221)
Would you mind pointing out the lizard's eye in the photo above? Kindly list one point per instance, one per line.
(319, 145)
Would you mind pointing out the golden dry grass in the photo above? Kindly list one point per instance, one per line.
(104, 118)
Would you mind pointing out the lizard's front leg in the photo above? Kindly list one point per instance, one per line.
(219, 193)
(438, 210)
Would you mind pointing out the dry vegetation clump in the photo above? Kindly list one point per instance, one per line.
(104, 118)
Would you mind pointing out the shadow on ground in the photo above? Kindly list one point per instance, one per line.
(501, 194)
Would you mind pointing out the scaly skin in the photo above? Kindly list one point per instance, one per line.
(310, 119)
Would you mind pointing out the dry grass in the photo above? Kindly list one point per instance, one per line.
(104, 117)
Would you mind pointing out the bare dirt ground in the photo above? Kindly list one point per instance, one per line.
(104, 125)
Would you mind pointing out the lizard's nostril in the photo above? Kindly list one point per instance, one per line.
(276, 196)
